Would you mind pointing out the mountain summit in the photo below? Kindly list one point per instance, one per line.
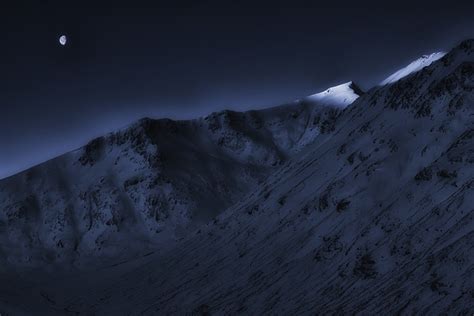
(339, 96)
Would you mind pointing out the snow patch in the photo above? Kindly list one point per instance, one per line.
(339, 96)
(413, 67)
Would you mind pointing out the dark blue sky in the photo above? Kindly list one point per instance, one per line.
(129, 59)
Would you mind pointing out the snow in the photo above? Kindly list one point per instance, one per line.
(413, 67)
(373, 216)
(339, 96)
(151, 176)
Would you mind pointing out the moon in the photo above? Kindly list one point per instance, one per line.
(63, 40)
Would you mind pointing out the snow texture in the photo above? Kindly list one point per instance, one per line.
(143, 186)
(340, 96)
(413, 67)
(369, 213)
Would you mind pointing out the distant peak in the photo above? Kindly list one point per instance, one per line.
(339, 96)
(413, 67)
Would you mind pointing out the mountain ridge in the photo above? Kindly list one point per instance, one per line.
(152, 180)
(374, 216)
(357, 90)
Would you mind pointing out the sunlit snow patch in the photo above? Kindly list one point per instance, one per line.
(340, 96)
(415, 66)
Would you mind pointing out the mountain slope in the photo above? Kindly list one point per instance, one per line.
(413, 67)
(147, 184)
(341, 95)
(373, 218)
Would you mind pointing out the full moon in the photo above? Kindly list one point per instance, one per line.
(63, 40)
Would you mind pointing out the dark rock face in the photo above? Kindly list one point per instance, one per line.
(424, 175)
(356, 89)
(93, 152)
(365, 267)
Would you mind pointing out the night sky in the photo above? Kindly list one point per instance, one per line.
(128, 59)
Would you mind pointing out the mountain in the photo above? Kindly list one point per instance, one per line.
(414, 66)
(373, 217)
(130, 191)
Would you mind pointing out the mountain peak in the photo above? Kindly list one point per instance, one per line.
(339, 96)
(413, 67)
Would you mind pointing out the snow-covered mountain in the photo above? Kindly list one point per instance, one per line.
(139, 187)
(413, 67)
(340, 96)
(373, 215)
